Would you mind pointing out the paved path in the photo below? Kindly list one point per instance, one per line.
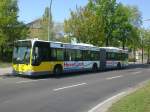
(5, 71)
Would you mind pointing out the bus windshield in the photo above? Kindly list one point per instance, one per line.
(21, 53)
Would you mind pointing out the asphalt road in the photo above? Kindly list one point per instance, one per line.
(78, 92)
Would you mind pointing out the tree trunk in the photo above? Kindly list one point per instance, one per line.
(2, 53)
(142, 54)
(148, 58)
(123, 44)
(107, 42)
(134, 52)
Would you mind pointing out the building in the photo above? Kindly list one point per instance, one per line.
(38, 29)
(35, 28)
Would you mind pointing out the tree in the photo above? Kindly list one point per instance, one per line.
(146, 42)
(44, 25)
(105, 9)
(105, 22)
(10, 28)
(93, 23)
(127, 21)
(135, 20)
(85, 26)
(122, 26)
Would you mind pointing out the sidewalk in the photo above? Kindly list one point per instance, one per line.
(5, 71)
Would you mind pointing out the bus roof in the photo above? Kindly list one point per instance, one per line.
(55, 44)
(82, 46)
(114, 49)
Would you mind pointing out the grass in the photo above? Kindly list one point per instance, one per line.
(138, 101)
(4, 64)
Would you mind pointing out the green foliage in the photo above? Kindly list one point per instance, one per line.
(105, 22)
(135, 20)
(105, 9)
(122, 27)
(146, 38)
(85, 26)
(146, 42)
(10, 28)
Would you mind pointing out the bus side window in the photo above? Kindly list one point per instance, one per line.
(57, 54)
(108, 55)
(45, 53)
(67, 55)
(78, 55)
(119, 56)
(116, 56)
(95, 55)
(112, 55)
(42, 50)
(86, 55)
(53, 54)
(73, 55)
(60, 54)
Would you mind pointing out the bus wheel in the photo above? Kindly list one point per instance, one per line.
(119, 65)
(94, 68)
(58, 70)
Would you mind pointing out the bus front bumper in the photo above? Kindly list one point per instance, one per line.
(30, 73)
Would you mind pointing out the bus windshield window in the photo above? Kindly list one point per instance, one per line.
(21, 54)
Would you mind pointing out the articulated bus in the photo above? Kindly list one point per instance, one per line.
(36, 57)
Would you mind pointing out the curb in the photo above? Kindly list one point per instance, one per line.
(105, 105)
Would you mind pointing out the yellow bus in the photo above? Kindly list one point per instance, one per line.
(37, 57)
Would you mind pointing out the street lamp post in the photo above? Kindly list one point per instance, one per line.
(49, 19)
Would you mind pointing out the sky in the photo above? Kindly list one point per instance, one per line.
(33, 9)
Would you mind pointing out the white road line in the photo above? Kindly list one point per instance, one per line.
(95, 109)
(134, 73)
(66, 87)
(19, 82)
(109, 78)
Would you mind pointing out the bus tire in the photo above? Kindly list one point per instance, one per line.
(95, 68)
(57, 70)
(119, 66)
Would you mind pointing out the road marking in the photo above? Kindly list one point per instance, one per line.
(109, 78)
(134, 73)
(96, 108)
(19, 82)
(66, 87)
